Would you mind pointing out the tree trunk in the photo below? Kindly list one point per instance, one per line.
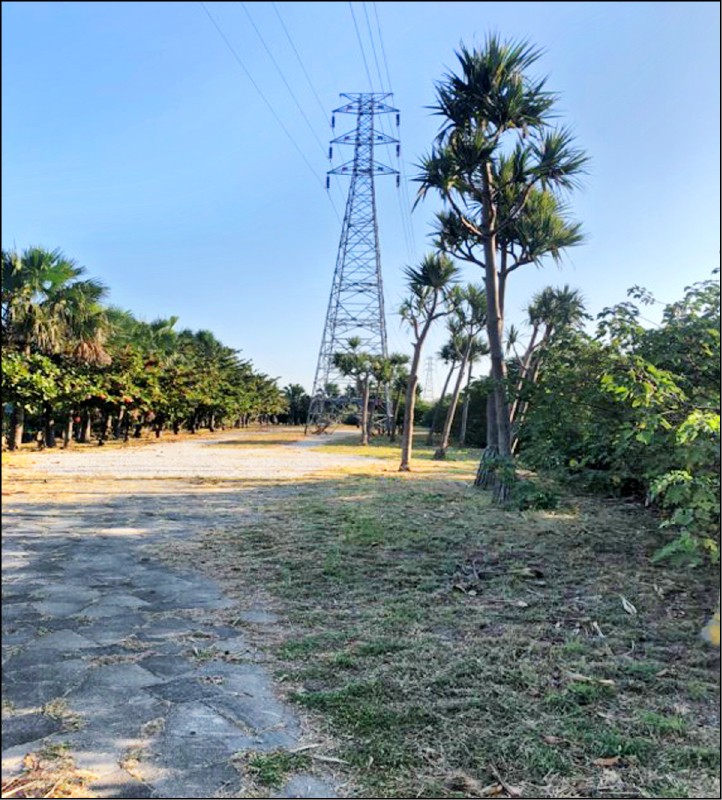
(440, 453)
(365, 391)
(118, 425)
(68, 431)
(489, 455)
(495, 335)
(437, 409)
(49, 427)
(105, 421)
(407, 436)
(465, 408)
(86, 430)
(17, 427)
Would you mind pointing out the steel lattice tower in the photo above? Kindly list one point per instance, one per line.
(356, 302)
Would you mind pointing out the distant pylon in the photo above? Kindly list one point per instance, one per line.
(427, 393)
(356, 302)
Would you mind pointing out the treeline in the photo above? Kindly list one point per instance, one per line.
(628, 409)
(75, 368)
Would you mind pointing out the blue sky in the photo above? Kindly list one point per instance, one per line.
(133, 140)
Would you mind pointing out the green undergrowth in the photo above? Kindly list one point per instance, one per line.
(436, 635)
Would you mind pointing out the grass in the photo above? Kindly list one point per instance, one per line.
(434, 635)
(272, 769)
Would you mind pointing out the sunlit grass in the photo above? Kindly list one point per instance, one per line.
(423, 672)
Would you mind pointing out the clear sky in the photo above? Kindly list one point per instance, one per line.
(135, 141)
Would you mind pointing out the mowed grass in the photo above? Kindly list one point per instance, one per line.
(444, 642)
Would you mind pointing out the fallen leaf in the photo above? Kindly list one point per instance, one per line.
(577, 676)
(627, 606)
(521, 604)
(555, 740)
(528, 572)
(614, 761)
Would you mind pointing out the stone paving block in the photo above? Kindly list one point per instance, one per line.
(124, 676)
(199, 719)
(51, 608)
(168, 666)
(64, 639)
(22, 728)
(189, 753)
(217, 780)
(34, 686)
(184, 690)
(114, 629)
(250, 712)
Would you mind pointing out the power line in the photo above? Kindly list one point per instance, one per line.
(283, 78)
(383, 50)
(373, 48)
(360, 44)
(404, 182)
(405, 215)
(324, 111)
(265, 100)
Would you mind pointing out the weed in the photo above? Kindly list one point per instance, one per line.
(271, 769)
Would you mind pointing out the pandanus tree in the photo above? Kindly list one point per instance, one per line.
(551, 312)
(49, 309)
(450, 353)
(471, 314)
(357, 364)
(478, 349)
(430, 289)
(498, 166)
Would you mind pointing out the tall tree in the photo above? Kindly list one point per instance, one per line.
(359, 365)
(551, 312)
(493, 160)
(48, 308)
(479, 348)
(429, 286)
(450, 353)
(471, 313)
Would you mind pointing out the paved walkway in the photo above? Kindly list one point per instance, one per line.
(140, 668)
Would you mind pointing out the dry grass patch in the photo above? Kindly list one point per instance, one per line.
(50, 772)
(436, 635)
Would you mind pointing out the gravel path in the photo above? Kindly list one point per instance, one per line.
(226, 455)
(143, 670)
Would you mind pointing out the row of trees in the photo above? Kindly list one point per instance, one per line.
(71, 363)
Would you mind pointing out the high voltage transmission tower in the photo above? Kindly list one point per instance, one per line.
(428, 387)
(356, 302)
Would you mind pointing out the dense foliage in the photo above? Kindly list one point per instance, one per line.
(636, 410)
(70, 362)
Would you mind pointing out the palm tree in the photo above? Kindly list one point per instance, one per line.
(449, 354)
(494, 151)
(429, 288)
(479, 348)
(48, 309)
(551, 312)
(294, 394)
(359, 365)
(471, 312)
